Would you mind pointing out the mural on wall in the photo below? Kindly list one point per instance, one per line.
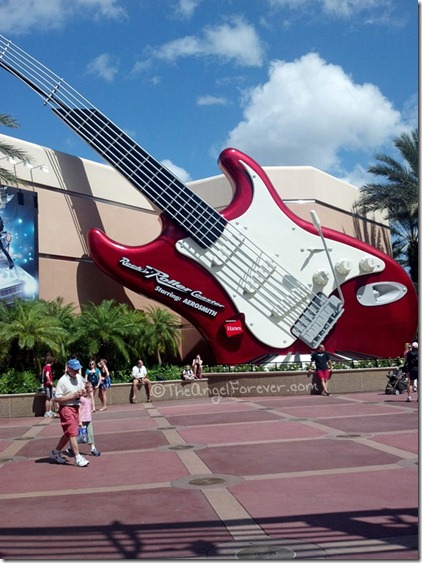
(256, 280)
(18, 244)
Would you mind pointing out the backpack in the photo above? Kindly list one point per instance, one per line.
(412, 361)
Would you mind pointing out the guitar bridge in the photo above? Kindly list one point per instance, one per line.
(318, 319)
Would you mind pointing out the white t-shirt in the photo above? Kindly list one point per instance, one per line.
(67, 385)
(139, 372)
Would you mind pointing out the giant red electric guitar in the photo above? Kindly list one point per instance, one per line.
(256, 280)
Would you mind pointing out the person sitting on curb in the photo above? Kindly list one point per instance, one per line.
(139, 376)
(197, 366)
(187, 374)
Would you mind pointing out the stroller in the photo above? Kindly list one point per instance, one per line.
(397, 382)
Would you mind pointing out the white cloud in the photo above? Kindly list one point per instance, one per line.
(350, 8)
(358, 177)
(211, 101)
(235, 41)
(20, 16)
(371, 11)
(181, 173)
(103, 67)
(186, 8)
(411, 111)
(109, 9)
(308, 112)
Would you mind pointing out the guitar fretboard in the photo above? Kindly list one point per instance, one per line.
(149, 176)
(143, 171)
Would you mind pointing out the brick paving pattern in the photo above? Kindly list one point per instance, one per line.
(219, 478)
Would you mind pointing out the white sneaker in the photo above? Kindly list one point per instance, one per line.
(80, 461)
(56, 456)
(408, 399)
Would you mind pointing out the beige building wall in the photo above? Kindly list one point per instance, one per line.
(76, 195)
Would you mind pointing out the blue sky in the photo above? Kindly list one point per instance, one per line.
(324, 83)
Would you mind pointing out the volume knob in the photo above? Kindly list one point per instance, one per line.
(321, 277)
(367, 264)
(343, 266)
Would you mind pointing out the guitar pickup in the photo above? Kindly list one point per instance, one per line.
(318, 319)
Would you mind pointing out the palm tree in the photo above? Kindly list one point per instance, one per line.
(108, 330)
(27, 331)
(162, 334)
(9, 150)
(398, 197)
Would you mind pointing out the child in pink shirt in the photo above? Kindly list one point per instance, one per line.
(85, 418)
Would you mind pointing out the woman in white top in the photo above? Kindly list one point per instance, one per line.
(197, 366)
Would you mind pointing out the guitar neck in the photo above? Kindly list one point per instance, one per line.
(149, 176)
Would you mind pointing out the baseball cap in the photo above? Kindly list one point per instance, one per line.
(415, 345)
(74, 364)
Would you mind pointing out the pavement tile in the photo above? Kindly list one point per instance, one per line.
(129, 469)
(105, 442)
(11, 432)
(261, 459)
(176, 408)
(379, 423)
(248, 432)
(337, 409)
(217, 417)
(163, 523)
(404, 440)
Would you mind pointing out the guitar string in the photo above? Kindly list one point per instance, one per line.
(62, 92)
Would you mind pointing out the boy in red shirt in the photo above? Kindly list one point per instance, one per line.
(47, 381)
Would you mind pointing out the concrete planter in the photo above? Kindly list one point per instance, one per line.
(218, 386)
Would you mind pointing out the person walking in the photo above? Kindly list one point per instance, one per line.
(105, 383)
(93, 375)
(323, 367)
(411, 368)
(139, 378)
(69, 391)
(47, 382)
(85, 419)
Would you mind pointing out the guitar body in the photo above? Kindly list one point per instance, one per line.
(178, 273)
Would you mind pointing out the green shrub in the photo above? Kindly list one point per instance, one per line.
(121, 376)
(164, 372)
(14, 382)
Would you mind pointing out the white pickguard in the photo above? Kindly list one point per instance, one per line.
(268, 266)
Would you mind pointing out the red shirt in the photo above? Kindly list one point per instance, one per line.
(48, 375)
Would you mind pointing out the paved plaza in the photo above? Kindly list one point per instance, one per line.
(305, 477)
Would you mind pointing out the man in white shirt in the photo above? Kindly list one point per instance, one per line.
(69, 390)
(139, 376)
